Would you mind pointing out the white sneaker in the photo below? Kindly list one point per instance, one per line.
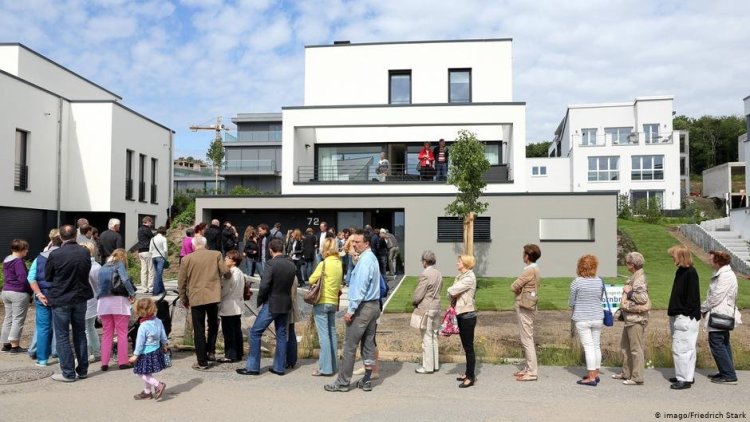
(61, 378)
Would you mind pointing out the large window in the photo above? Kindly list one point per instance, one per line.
(588, 136)
(141, 177)
(346, 163)
(647, 167)
(604, 169)
(399, 87)
(459, 85)
(154, 164)
(451, 229)
(129, 175)
(651, 133)
(646, 195)
(21, 171)
(619, 135)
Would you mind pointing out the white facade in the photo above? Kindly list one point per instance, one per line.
(49, 108)
(746, 145)
(626, 147)
(349, 107)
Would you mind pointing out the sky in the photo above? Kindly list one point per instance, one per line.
(184, 62)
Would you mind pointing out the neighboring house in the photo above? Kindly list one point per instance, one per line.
(196, 176)
(75, 151)
(627, 147)
(253, 158)
(364, 99)
(726, 182)
(739, 218)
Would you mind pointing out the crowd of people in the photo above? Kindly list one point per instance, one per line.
(76, 280)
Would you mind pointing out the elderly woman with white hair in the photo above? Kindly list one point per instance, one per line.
(426, 316)
(634, 305)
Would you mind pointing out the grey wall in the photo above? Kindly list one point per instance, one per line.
(514, 223)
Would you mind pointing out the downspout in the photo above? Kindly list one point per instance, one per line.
(171, 177)
(58, 192)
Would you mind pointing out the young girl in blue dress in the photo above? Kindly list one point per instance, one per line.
(149, 351)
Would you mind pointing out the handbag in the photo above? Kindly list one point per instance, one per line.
(609, 319)
(419, 316)
(721, 321)
(313, 295)
(166, 261)
(528, 301)
(450, 323)
(118, 286)
(247, 294)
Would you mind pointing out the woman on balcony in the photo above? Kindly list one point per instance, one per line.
(426, 163)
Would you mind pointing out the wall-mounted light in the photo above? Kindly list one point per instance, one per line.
(307, 146)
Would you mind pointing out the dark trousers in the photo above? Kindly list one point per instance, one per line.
(65, 317)
(231, 327)
(205, 346)
(466, 332)
(300, 276)
(721, 349)
(291, 346)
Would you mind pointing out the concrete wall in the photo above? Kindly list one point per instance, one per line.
(739, 221)
(515, 221)
(358, 74)
(717, 181)
(557, 178)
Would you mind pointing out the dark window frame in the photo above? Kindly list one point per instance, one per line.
(460, 69)
(451, 229)
(141, 177)
(154, 164)
(398, 72)
(21, 167)
(129, 174)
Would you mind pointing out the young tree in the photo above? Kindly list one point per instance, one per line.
(467, 168)
(215, 156)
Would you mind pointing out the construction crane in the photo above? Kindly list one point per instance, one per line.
(218, 127)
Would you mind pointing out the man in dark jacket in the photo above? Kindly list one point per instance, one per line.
(145, 234)
(67, 271)
(263, 254)
(275, 301)
(110, 240)
(309, 246)
(229, 237)
(213, 236)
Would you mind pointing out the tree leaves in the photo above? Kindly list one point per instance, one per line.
(468, 165)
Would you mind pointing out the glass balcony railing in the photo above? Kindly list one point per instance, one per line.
(264, 166)
(256, 136)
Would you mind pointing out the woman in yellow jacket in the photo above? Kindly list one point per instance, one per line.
(325, 310)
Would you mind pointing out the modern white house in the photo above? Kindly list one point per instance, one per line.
(76, 151)
(627, 147)
(362, 100)
(739, 218)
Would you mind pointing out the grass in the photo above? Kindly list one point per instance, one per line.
(494, 294)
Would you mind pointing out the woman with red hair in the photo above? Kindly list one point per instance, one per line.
(586, 301)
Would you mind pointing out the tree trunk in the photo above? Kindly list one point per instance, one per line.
(469, 234)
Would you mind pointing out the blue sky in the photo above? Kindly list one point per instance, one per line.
(185, 62)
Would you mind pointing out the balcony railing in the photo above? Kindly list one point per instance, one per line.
(260, 166)
(142, 191)
(153, 194)
(21, 177)
(634, 138)
(367, 174)
(129, 189)
(256, 136)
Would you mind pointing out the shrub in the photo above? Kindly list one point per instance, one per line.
(648, 211)
(186, 217)
(623, 207)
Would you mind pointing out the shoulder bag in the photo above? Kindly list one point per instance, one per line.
(166, 261)
(118, 285)
(609, 319)
(419, 316)
(313, 295)
(450, 323)
(720, 321)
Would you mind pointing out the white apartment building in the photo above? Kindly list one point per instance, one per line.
(627, 147)
(362, 100)
(75, 151)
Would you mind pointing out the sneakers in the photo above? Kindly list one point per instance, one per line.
(200, 367)
(143, 396)
(364, 385)
(421, 370)
(336, 388)
(61, 378)
(104, 368)
(126, 366)
(18, 349)
(42, 363)
(159, 390)
(724, 380)
(6, 347)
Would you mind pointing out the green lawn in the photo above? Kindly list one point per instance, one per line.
(651, 240)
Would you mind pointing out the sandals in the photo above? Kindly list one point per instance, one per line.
(520, 373)
(527, 377)
(631, 382)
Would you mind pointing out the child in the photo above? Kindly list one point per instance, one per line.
(150, 346)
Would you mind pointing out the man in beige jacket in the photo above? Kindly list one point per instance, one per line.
(199, 285)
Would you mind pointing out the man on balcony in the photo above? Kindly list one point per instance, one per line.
(440, 153)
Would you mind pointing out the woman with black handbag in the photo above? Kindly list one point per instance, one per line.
(720, 307)
(115, 294)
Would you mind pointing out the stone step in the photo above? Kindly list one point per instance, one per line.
(724, 235)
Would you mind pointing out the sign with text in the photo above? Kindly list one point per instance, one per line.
(614, 294)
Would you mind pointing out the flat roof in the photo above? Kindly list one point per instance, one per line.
(624, 104)
(47, 59)
(510, 103)
(256, 117)
(350, 44)
(745, 99)
(408, 195)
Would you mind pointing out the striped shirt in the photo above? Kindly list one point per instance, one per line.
(586, 299)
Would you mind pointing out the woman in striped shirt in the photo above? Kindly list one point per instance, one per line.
(586, 301)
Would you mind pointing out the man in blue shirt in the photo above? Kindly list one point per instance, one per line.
(361, 315)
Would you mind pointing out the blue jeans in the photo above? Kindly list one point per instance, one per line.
(442, 171)
(264, 319)
(42, 339)
(309, 267)
(64, 317)
(721, 349)
(158, 287)
(349, 268)
(261, 266)
(291, 346)
(325, 322)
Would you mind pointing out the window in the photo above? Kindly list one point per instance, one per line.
(399, 87)
(566, 229)
(620, 135)
(588, 136)
(21, 171)
(604, 169)
(129, 175)
(141, 177)
(651, 133)
(492, 152)
(459, 85)
(647, 167)
(154, 163)
(640, 195)
(539, 171)
(451, 229)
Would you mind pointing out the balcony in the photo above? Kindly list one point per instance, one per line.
(631, 138)
(21, 177)
(239, 167)
(367, 174)
(255, 136)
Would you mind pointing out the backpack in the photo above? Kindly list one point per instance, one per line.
(384, 289)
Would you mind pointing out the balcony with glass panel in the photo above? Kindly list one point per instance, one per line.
(249, 167)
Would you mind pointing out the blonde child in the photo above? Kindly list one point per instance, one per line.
(150, 347)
